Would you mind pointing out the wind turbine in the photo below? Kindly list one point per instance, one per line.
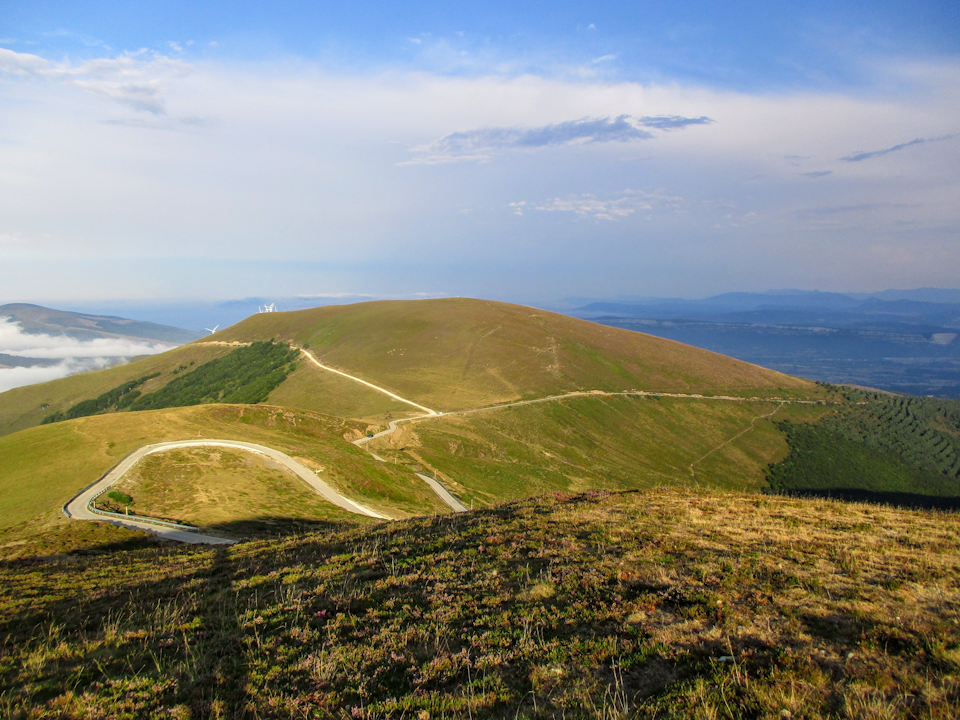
(213, 329)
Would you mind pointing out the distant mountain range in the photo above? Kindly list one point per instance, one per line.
(39, 343)
(34, 320)
(934, 308)
(897, 340)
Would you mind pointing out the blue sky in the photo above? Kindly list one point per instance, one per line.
(519, 151)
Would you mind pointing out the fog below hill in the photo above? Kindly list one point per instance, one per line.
(28, 358)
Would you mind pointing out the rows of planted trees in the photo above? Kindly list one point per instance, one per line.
(877, 443)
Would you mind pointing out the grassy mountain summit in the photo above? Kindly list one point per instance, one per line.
(592, 592)
(445, 354)
(460, 353)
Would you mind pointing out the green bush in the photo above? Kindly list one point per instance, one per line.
(119, 398)
(120, 497)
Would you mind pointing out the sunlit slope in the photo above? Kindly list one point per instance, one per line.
(43, 467)
(225, 492)
(310, 388)
(460, 353)
(25, 407)
(600, 442)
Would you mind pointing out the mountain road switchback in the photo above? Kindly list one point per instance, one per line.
(81, 508)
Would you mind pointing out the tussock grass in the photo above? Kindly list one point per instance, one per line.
(665, 603)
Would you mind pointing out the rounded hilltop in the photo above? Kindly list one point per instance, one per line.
(458, 353)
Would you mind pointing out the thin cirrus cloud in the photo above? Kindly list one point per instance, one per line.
(860, 156)
(131, 79)
(590, 206)
(480, 144)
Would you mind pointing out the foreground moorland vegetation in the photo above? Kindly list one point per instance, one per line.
(665, 603)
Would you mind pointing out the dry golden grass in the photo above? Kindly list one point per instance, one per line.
(218, 489)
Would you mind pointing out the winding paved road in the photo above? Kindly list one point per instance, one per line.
(443, 494)
(79, 507)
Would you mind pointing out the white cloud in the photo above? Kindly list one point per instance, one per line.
(14, 341)
(20, 376)
(298, 172)
(629, 202)
(131, 79)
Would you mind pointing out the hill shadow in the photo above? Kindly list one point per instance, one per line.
(208, 663)
(914, 501)
(271, 527)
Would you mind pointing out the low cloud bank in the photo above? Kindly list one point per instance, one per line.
(19, 376)
(14, 341)
(75, 356)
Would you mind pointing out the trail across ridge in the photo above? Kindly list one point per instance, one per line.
(392, 425)
(80, 507)
(748, 428)
(319, 364)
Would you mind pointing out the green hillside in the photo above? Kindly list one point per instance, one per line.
(660, 604)
(461, 353)
(43, 467)
(311, 388)
(600, 442)
(468, 353)
(876, 446)
(27, 406)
